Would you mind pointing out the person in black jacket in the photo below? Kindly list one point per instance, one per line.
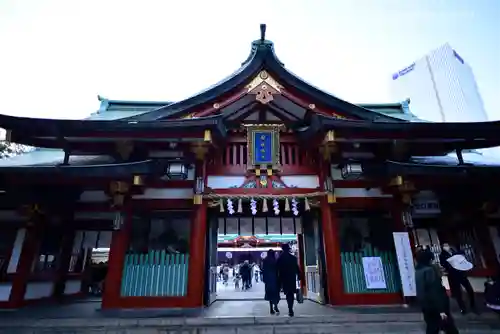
(432, 297)
(246, 275)
(270, 278)
(457, 279)
(288, 272)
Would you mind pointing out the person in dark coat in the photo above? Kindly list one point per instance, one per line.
(246, 275)
(288, 272)
(457, 279)
(432, 297)
(270, 279)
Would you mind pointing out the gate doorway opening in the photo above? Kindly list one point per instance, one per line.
(238, 244)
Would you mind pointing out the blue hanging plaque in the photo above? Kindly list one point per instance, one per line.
(263, 148)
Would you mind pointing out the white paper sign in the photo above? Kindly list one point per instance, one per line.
(374, 273)
(405, 263)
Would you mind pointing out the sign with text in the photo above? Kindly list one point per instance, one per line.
(263, 146)
(428, 207)
(263, 149)
(374, 273)
(405, 263)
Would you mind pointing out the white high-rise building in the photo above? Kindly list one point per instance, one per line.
(441, 88)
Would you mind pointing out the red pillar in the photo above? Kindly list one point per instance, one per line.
(197, 248)
(117, 251)
(28, 253)
(331, 243)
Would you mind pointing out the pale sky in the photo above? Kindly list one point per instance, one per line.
(57, 55)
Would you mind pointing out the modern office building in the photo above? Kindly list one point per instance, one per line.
(441, 87)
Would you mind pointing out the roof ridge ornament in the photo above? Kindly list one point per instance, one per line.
(263, 86)
(262, 32)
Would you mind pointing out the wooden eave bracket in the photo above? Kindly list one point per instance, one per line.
(201, 148)
(404, 188)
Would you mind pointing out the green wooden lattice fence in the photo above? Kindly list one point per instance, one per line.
(353, 273)
(155, 274)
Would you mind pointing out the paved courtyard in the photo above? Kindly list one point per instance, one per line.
(234, 312)
(230, 292)
(229, 317)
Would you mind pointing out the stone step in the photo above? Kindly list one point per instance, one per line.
(354, 323)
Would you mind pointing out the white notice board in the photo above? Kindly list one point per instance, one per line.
(405, 263)
(374, 273)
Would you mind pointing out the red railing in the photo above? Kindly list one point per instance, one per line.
(233, 159)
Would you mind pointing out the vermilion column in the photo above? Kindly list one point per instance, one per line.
(117, 251)
(197, 247)
(30, 246)
(331, 242)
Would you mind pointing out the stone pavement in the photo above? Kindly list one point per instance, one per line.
(231, 317)
(229, 292)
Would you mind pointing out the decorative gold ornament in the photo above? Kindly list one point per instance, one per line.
(188, 116)
(264, 87)
(207, 136)
(331, 198)
(199, 151)
(138, 180)
(396, 181)
(197, 199)
(330, 136)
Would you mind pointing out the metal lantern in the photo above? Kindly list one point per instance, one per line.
(199, 186)
(177, 171)
(407, 219)
(351, 171)
(118, 221)
(328, 184)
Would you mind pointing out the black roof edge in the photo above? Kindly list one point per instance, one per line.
(251, 67)
(262, 55)
(65, 127)
(392, 168)
(133, 102)
(146, 167)
(489, 129)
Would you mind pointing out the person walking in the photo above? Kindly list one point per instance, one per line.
(457, 279)
(270, 279)
(432, 297)
(246, 275)
(288, 271)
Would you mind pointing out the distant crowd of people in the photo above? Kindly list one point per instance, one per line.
(242, 274)
(279, 274)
